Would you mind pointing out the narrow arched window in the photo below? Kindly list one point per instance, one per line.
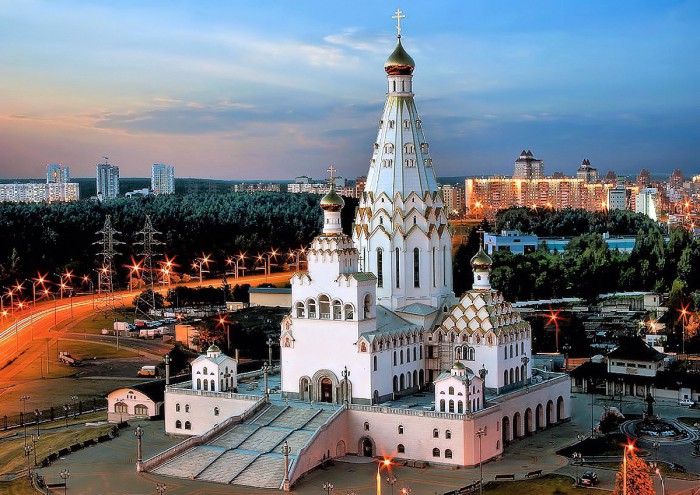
(300, 309)
(398, 271)
(448, 434)
(216, 411)
(366, 426)
(177, 407)
(374, 363)
(448, 454)
(400, 448)
(187, 408)
(380, 267)
(400, 429)
(451, 390)
(178, 424)
(188, 425)
(311, 304)
(436, 433)
(436, 452)
(416, 265)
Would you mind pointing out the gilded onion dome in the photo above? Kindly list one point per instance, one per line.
(399, 62)
(213, 348)
(332, 201)
(481, 260)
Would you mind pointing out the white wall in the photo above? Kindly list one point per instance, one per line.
(201, 413)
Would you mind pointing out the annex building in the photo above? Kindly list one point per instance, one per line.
(378, 355)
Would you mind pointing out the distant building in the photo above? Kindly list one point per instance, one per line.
(107, 177)
(528, 167)
(675, 182)
(138, 192)
(587, 173)
(162, 179)
(360, 184)
(610, 178)
(647, 202)
(644, 179)
(34, 192)
(617, 198)
(518, 243)
(255, 187)
(56, 173)
(453, 197)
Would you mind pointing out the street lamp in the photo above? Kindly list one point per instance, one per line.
(266, 369)
(139, 449)
(628, 448)
(65, 474)
(658, 473)
(346, 375)
(391, 481)
(525, 360)
(270, 343)
(684, 314)
(656, 446)
(66, 410)
(480, 433)
(383, 463)
(199, 264)
(576, 460)
(160, 488)
(328, 487)
(24, 400)
(37, 418)
(553, 317)
(27, 452)
(482, 373)
(74, 399)
(234, 260)
(566, 348)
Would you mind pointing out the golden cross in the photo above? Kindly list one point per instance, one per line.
(399, 15)
(331, 169)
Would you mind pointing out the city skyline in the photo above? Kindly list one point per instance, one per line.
(231, 91)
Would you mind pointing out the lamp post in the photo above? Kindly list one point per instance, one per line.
(658, 473)
(270, 342)
(656, 446)
(391, 481)
(286, 450)
(74, 399)
(160, 488)
(622, 387)
(482, 373)
(27, 453)
(24, 400)
(37, 418)
(346, 374)
(139, 450)
(480, 433)
(65, 474)
(629, 447)
(266, 370)
(384, 463)
(66, 410)
(566, 348)
(576, 460)
(199, 264)
(328, 487)
(34, 441)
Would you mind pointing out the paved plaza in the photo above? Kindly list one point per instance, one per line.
(109, 468)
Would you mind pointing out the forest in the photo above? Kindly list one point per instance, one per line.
(52, 238)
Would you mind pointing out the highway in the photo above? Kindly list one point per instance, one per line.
(40, 322)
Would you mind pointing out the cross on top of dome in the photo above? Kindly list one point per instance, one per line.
(398, 15)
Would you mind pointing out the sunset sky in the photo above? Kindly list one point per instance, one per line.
(273, 90)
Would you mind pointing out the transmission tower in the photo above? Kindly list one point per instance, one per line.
(146, 303)
(106, 286)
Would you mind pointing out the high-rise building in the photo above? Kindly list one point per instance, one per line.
(107, 180)
(453, 197)
(617, 198)
(33, 192)
(528, 167)
(675, 182)
(643, 179)
(647, 202)
(401, 228)
(587, 173)
(56, 173)
(162, 179)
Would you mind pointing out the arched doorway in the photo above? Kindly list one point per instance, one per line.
(550, 413)
(420, 377)
(517, 432)
(375, 397)
(528, 421)
(505, 429)
(340, 449)
(539, 417)
(326, 390)
(560, 409)
(366, 447)
(305, 389)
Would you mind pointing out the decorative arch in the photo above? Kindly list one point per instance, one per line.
(517, 426)
(300, 309)
(560, 409)
(305, 388)
(539, 417)
(505, 429)
(528, 421)
(325, 386)
(550, 413)
(365, 446)
(311, 308)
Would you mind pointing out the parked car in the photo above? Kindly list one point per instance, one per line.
(686, 402)
(588, 478)
(679, 468)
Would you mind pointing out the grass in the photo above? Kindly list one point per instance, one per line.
(89, 350)
(611, 444)
(546, 485)
(94, 323)
(17, 487)
(689, 420)
(12, 458)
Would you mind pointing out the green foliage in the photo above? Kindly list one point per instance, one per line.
(148, 298)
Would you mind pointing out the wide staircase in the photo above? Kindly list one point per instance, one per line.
(250, 453)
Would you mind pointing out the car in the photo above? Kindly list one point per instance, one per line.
(588, 478)
(679, 468)
(686, 402)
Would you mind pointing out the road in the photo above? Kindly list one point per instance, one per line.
(16, 335)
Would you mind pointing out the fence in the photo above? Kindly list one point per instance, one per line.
(63, 411)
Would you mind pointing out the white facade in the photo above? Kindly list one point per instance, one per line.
(193, 412)
(214, 372)
(33, 192)
(126, 403)
(162, 179)
(646, 202)
(617, 198)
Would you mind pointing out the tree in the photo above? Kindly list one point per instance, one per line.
(639, 481)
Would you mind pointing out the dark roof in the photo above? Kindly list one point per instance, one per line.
(270, 290)
(589, 369)
(635, 349)
(155, 389)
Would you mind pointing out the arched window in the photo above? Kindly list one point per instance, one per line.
(178, 424)
(221, 385)
(451, 390)
(448, 434)
(337, 310)
(436, 433)
(216, 411)
(349, 313)
(401, 356)
(400, 429)
(206, 384)
(367, 305)
(460, 407)
(204, 370)
(141, 410)
(366, 426)
(311, 306)
(505, 352)
(394, 358)
(414, 353)
(188, 425)
(436, 452)
(213, 387)
(380, 267)
(388, 148)
(324, 303)
(451, 406)
(120, 407)
(177, 407)
(374, 363)
(398, 270)
(300, 309)
(409, 148)
(448, 454)
(199, 384)
(420, 352)
(416, 264)
(442, 405)
(187, 408)
(400, 448)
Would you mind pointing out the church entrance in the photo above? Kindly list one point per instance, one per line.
(367, 449)
(326, 390)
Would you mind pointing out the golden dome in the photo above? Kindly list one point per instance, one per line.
(481, 260)
(399, 62)
(332, 201)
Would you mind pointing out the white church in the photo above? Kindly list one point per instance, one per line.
(378, 356)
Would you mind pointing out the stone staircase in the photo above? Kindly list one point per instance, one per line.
(250, 453)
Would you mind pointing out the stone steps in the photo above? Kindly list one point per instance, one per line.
(296, 441)
(235, 436)
(191, 462)
(268, 415)
(294, 418)
(224, 468)
(318, 420)
(264, 439)
(267, 471)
